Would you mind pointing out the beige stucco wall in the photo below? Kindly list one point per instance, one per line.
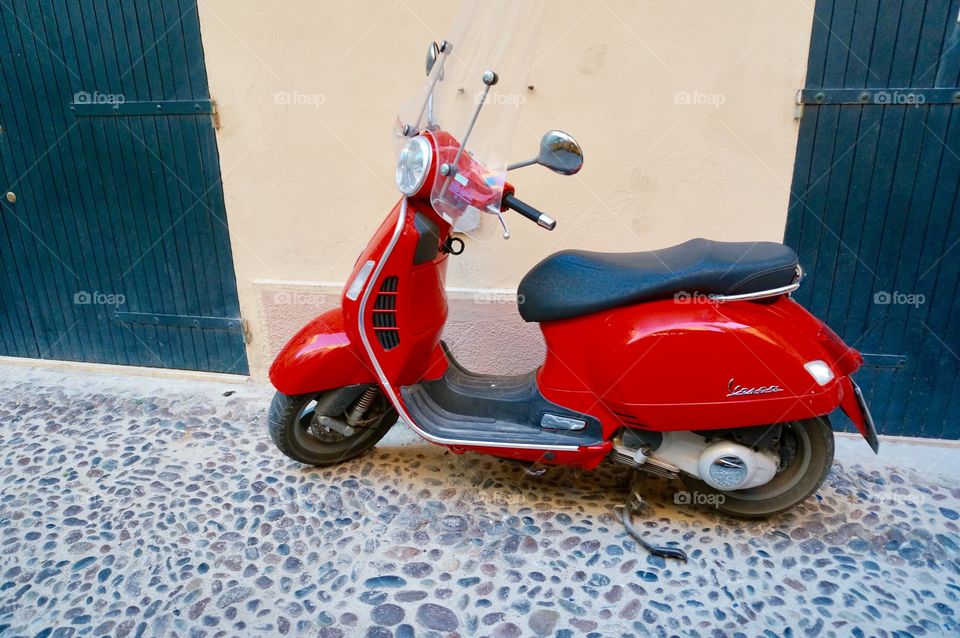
(685, 111)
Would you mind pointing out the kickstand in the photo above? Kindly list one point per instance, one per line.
(633, 504)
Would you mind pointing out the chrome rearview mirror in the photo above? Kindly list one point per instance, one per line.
(433, 53)
(558, 151)
(433, 56)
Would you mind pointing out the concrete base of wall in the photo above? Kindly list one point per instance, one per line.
(136, 371)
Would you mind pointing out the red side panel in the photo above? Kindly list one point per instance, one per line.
(420, 301)
(667, 365)
(320, 357)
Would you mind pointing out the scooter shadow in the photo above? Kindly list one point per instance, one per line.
(504, 487)
(509, 488)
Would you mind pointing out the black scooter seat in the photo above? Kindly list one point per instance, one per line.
(572, 283)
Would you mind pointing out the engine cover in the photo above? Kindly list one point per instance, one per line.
(723, 465)
(726, 465)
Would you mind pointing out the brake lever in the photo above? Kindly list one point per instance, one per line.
(503, 222)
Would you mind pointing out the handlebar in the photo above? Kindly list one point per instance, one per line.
(528, 211)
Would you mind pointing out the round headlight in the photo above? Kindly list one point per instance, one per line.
(413, 165)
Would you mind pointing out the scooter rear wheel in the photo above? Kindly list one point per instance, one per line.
(298, 435)
(809, 444)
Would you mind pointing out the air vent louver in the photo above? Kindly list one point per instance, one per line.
(385, 315)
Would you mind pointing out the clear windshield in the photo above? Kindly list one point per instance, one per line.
(496, 36)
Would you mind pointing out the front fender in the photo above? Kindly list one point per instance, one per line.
(320, 357)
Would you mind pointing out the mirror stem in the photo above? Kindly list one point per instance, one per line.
(529, 162)
(489, 79)
(445, 49)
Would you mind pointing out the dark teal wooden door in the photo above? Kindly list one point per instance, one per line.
(115, 245)
(874, 206)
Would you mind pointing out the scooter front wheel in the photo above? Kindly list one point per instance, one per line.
(806, 452)
(300, 434)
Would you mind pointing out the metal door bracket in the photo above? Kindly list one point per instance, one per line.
(884, 361)
(883, 96)
(90, 107)
(184, 321)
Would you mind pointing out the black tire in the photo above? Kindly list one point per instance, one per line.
(288, 426)
(791, 486)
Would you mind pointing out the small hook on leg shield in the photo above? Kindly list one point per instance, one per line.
(453, 246)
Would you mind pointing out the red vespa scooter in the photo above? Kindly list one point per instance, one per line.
(691, 361)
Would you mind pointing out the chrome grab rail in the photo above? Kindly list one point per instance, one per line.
(762, 294)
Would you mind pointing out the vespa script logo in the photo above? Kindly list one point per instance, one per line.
(736, 390)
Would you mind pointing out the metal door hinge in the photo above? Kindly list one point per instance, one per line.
(247, 334)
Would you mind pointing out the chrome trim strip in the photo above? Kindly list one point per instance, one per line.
(762, 294)
(385, 383)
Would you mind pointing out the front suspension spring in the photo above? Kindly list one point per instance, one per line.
(362, 405)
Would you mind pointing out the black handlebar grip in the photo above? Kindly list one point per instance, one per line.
(528, 211)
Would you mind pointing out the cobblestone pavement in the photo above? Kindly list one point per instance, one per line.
(137, 506)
